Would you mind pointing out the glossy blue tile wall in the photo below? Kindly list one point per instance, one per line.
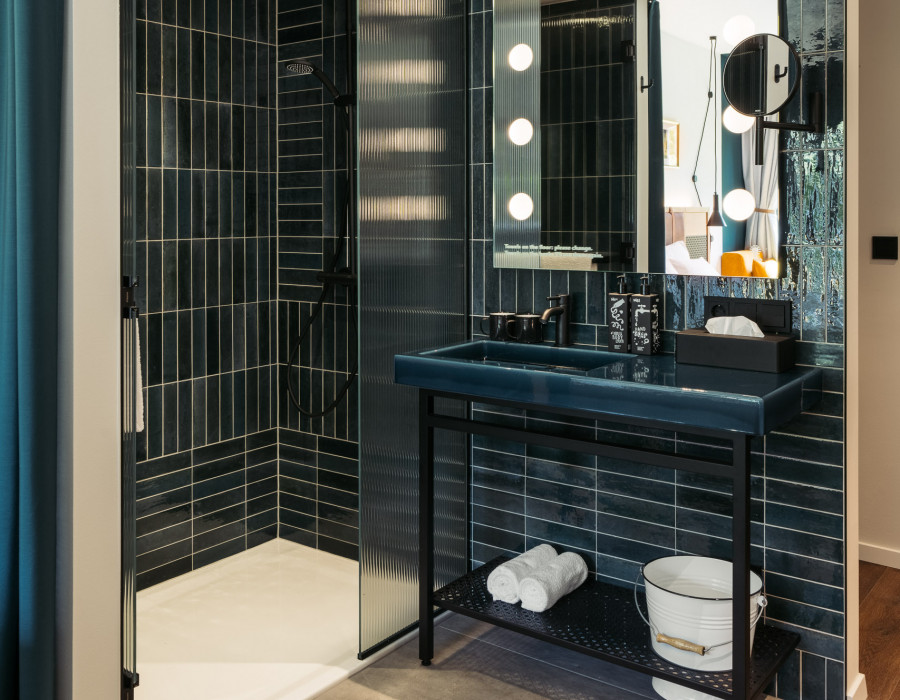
(318, 482)
(619, 515)
(588, 127)
(207, 459)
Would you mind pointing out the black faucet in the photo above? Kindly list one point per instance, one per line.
(559, 308)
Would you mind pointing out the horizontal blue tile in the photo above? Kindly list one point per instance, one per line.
(262, 471)
(499, 519)
(302, 472)
(164, 555)
(163, 465)
(262, 504)
(558, 512)
(348, 550)
(151, 577)
(218, 468)
(804, 544)
(561, 493)
(501, 539)
(498, 461)
(636, 508)
(219, 552)
(163, 538)
(163, 501)
(830, 597)
(219, 450)
(260, 535)
(338, 531)
(220, 535)
(800, 472)
(298, 519)
(295, 487)
(813, 641)
(163, 519)
(226, 482)
(162, 484)
(211, 504)
(498, 481)
(345, 499)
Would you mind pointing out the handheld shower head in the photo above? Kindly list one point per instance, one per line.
(308, 68)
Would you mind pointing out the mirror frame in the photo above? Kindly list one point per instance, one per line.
(798, 63)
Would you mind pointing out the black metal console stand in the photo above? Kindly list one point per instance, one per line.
(598, 619)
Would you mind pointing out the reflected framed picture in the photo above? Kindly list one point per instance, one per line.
(671, 144)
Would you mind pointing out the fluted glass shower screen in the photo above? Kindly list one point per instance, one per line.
(412, 267)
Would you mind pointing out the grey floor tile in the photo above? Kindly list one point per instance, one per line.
(467, 668)
(566, 659)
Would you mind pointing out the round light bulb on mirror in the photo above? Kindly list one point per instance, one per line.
(738, 28)
(739, 205)
(520, 57)
(520, 132)
(736, 122)
(521, 206)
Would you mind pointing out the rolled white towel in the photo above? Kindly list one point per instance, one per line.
(503, 582)
(541, 588)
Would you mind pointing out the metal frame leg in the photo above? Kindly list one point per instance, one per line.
(426, 527)
(741, 567)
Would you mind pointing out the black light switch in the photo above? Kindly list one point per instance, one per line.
(884, 247)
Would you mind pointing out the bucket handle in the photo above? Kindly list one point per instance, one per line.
(684, 644)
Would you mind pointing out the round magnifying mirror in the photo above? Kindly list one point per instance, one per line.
(761, 75)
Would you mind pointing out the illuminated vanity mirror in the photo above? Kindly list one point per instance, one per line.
(709, 147)
(565, 125)
(578, 181)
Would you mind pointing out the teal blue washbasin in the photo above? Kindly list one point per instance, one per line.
(650, 388)
(541, 358)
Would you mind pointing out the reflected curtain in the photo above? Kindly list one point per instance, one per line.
(762, 182)
(656, 171)
(31, 74)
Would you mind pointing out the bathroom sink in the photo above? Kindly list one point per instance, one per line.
(650, 388)
(541, 358)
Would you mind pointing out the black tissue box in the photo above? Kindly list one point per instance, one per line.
(771, 353)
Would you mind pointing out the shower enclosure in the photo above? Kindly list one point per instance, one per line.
(294, 210)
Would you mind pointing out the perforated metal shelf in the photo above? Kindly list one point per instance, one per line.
(599, 619)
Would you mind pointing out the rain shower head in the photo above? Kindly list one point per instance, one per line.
(308, 68)
(301, 67)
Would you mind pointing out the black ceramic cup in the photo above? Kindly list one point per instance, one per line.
(529, 328)
(500, 326)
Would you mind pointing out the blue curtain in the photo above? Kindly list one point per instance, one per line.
(31, 76)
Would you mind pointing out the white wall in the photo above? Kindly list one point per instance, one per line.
(89, 461)
(685, 80)
(879, 336)
(856, 270)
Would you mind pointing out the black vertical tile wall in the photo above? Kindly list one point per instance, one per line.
(318, 484)
(588, 177)
(206, 241)
(618, 514)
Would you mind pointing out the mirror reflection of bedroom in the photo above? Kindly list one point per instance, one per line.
(709, 148)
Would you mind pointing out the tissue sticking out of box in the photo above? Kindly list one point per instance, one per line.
(734, 325)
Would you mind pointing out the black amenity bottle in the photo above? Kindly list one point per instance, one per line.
(645, 338)
(619, 313)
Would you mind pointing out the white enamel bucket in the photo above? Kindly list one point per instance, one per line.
(689, 606)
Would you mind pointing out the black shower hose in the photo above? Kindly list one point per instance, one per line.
(327, 286)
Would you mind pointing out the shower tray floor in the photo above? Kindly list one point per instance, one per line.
(277, 622)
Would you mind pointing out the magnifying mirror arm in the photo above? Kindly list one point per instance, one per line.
(816, 124)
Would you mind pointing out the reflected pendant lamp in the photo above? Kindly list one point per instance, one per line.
(715, 218)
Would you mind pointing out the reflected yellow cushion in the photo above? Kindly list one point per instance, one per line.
(739, 263)
(768, 269)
